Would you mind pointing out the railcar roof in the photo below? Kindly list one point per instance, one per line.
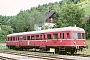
(49, 30)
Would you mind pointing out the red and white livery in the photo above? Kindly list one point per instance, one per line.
(67, 39)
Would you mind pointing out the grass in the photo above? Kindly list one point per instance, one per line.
(86, 51)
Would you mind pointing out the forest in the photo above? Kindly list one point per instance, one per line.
(68, 13)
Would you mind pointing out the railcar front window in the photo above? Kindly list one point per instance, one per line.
(79, 36)
(74, 35)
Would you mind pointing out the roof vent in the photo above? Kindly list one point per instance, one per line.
(75, 26)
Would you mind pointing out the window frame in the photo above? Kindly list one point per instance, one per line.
(29, 37)
(62, 34)
(83, 35)
(21, 37)
(33, 38)
(36, 37)
(67, 35)
(54, 36)
(74, 36)
(79, 35)
(24, 37)
(40, 37)
(50, 36)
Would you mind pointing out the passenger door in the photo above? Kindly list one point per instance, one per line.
(42, 40)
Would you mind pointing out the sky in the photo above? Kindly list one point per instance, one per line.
(13, 7)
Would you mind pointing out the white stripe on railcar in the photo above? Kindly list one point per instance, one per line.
(49, 30)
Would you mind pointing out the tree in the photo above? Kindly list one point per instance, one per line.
(69, 15)
(24, 21)
(87, 28)
(5, 30)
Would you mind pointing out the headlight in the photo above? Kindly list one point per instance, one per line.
(84, 42)
(74, 42)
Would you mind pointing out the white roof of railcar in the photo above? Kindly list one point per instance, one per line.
(49, 30)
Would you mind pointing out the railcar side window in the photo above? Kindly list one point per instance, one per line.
(21, 37)
(48, 36)
(18, 38)
(83, 35)
(62, 35)
(74, 35)
(32, 38)
(55, 36)
(44, 36)
(40, 37)
(13, 38)
(8, 39)
(28, 37)
(37, 37)
(24, 37)
(67, 36)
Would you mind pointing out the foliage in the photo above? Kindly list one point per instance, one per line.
(86, 51)
(69, 15)
(87, 28)
(24, 21)
(5, 30)
(44, 27)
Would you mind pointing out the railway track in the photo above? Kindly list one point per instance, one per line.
(36, 56)
(6, 58)
(82, 55)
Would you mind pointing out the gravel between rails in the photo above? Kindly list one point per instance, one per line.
(6, 58)
(76, 57)
(37, 55)
(27, 56)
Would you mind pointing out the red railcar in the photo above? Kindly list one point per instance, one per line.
(67, 39)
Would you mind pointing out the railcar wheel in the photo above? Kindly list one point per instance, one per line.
(72, 51)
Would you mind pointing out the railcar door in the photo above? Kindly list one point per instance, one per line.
(42, 40)
(17, 41)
